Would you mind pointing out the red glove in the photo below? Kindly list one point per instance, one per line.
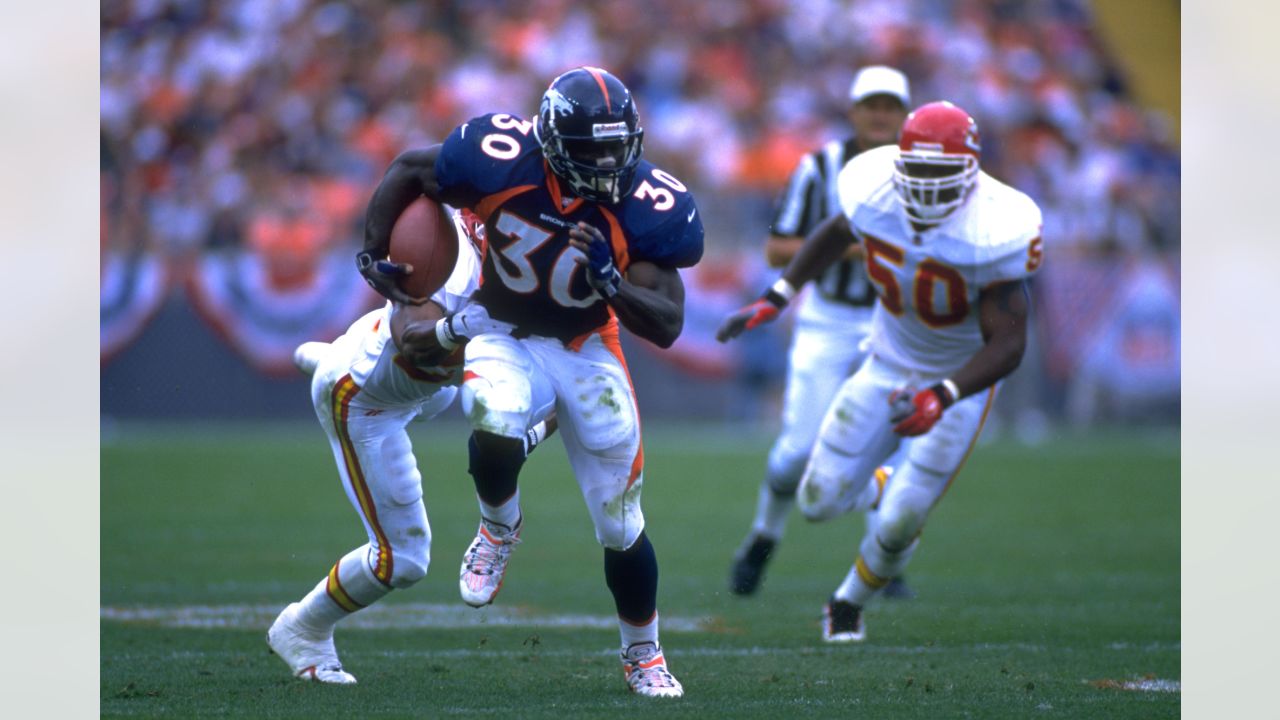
(748, 318)
(919, 413)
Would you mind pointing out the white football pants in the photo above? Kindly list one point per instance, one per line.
(857, 437)
(510, 384)
(825, 350)
(378, 469)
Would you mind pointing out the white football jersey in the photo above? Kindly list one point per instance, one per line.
(926, 318)
(386, 377)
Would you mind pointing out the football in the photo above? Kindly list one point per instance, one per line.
(424, 237)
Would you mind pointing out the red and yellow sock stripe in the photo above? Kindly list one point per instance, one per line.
(343, 392)
(339, 594)
(867, 577)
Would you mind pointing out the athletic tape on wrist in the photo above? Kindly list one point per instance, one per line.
(952, 388)
(784, 288)
(444, 333)
(610, 288)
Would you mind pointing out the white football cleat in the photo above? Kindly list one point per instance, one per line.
(485, 563)
(646, 671)
(307, 356)
(310, 655)
(842, 622)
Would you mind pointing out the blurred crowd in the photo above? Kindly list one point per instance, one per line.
(265, 125)
(241, 140)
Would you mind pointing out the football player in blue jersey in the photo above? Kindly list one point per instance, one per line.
(583, 234)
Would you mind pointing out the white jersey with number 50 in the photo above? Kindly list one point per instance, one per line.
(928, 282)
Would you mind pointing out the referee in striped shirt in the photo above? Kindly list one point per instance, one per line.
(833, 316)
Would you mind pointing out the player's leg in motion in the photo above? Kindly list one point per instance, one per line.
(932, 462)
(818, 363)
(503, 395)
(855, 439)
(380, 475)
(601, 432)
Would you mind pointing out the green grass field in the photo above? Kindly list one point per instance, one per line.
(1048, 578)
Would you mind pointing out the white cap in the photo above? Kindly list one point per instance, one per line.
(880, 80)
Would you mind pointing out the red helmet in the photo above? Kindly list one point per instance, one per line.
(937, 164)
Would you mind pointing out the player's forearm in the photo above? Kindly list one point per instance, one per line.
(824, 246)
(420, 345)
(648, 313)
(780, 249)
(1000, 356)
(410, 176)
(1003, 310)
(396, 192)
(413, 330)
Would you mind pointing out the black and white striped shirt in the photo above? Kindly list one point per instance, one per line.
(811, 196)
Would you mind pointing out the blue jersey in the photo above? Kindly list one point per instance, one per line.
(493, 166)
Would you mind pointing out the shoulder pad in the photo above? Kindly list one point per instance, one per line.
(661, 220)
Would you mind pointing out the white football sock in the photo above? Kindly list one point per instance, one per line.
(506, 515)
(771, 512)
(349, 586)
(874, 568)
(632, 634)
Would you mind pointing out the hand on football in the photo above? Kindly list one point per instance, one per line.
(748, 318)
(602, 274)
(384, 277)
(916, 412)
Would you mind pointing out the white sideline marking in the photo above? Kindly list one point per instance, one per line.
(1154, 685)
(379, 617)
(1143, 685)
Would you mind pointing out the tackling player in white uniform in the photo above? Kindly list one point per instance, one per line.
(385, 371)
(948, 248)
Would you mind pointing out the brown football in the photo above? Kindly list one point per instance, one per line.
(424, 237)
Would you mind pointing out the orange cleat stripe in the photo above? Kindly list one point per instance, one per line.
(654, 662)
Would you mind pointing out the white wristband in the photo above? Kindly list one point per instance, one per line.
(952, 388)
(784, 288)
(442, 334)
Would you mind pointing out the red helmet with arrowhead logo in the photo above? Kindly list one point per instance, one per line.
(937, 166)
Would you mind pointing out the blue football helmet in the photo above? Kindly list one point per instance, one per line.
(590, 133)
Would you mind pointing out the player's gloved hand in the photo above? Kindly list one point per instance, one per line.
(916, 412)
(470, 321)
(602, 274)
(761, 311)
(384, 276)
